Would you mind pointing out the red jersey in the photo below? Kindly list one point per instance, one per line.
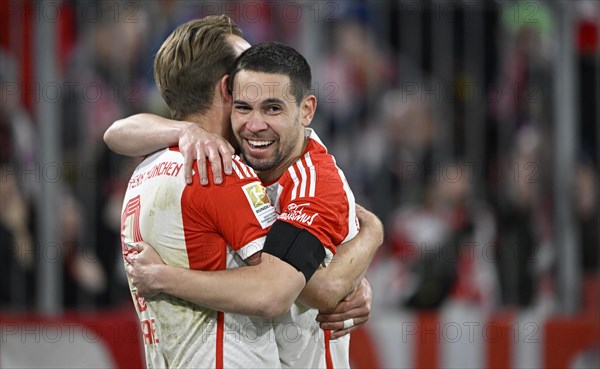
(313, 194)
(205, 228)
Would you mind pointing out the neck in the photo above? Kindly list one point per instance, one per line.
(211, 121)
(215, 120)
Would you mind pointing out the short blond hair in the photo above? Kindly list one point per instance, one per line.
(191, 61)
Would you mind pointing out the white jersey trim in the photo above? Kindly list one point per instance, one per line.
(296, 181)
(302, 172)
(313, 175)
(252, 247)
(236, 169)
(308, 178)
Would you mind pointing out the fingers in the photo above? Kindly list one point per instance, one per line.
(226, 150)
(369, 221)
(359, 318)
(194, 153)
(201, 161)
(141, 246)
(133, 277)
(219, 151)
(356, 308)
(215, 163)
(340, 328)
(360, 211)
(340, 333)
(131, 259)
(195, 143)
(136, 278)
(363, 215)
(188, 165)
(340, 317)
(136, 249)
(215, 153)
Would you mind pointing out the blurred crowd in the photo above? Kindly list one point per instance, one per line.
(452, 147)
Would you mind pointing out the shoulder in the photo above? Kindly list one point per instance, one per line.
(242, 171)
(171, 153)
(241, 174)
(328, 176)
(242, 181)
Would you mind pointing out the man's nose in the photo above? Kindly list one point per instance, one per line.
(256, 123)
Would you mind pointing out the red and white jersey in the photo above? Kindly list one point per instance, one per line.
(314, 195)
(204, 228)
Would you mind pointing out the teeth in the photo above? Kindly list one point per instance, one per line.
(260, 143)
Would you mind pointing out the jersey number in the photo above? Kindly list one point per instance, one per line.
(132, 209)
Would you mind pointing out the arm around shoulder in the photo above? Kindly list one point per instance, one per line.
(142, 134)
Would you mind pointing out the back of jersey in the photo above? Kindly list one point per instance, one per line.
(182, 223)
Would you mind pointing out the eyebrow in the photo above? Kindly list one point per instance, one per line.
(266, 101)
(273, 100)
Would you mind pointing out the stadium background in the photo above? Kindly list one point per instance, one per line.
(470, 127)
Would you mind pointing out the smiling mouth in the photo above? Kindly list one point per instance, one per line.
(259, 144)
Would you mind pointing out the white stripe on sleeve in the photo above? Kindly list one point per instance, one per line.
(236, 169)
(313, 175)
(303, 176)
(295, 179)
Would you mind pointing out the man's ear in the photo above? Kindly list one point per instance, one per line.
(224, 89)
(309, 107)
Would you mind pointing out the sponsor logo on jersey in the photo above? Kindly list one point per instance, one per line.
(259, 201)
(296, 213)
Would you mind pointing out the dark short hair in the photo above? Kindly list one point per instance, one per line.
(276, 58)
(192, 60)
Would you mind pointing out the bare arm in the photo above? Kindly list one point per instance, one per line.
(268, 289)
(142, 134)
(328, 286)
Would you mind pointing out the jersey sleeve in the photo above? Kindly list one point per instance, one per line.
(240, 210)
(316, 197)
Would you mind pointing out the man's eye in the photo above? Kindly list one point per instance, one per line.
(274, 109)
(242, 108)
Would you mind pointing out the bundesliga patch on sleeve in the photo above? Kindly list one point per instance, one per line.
(259, 202)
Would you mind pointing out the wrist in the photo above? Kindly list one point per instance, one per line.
(181, 129)
(162, 278)
(154, 277)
